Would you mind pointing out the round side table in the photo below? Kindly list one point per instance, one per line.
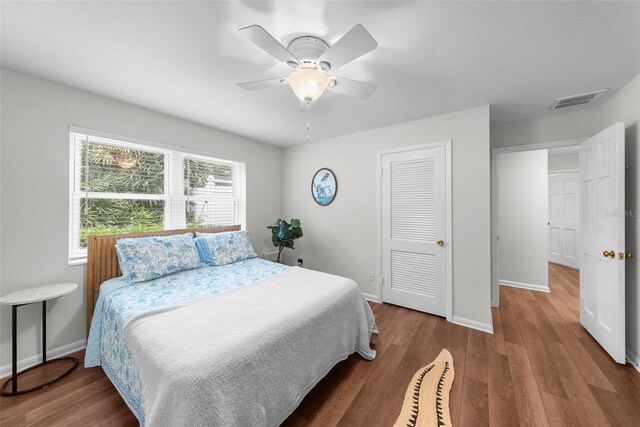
(31, 296)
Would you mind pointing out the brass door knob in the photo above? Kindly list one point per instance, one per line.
(610, 253)
(440, 242)
(628, 255)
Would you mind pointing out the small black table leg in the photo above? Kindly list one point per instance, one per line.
(71, 362)
(44, 331)
(14, 349)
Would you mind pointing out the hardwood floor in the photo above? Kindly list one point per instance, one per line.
(539, 368)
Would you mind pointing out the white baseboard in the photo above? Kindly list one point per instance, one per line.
(51, 354)
(531, 287)
(633, 359)
(371, 297)
(473, 324)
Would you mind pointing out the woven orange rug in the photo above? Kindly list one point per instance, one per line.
(426, 402)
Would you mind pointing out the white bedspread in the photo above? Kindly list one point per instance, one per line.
(248, 356)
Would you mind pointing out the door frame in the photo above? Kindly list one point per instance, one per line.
(495, 152)
(448, 216)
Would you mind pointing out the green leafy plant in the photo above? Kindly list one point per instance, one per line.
(283, 234)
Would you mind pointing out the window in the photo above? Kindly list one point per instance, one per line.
(120, 187)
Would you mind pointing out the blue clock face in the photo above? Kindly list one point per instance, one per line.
(324, 187)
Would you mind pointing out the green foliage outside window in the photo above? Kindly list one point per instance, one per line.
(122, 170)
(113, 169)
(115, 216)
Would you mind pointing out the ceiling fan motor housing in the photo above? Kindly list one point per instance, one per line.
(309, 48)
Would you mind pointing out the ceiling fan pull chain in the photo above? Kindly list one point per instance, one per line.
(308, 122)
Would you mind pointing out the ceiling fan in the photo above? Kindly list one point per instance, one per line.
(312, 61)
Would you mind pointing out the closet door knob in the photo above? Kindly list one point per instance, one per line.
(611, 254)
(440, 242)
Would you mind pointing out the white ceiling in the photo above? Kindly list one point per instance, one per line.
(184, 58)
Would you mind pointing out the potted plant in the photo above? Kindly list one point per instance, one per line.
(283, 234)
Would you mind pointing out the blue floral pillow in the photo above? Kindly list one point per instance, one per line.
(152, 257)
(122, 262)
(224, 248)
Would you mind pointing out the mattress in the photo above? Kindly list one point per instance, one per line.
(119, 302)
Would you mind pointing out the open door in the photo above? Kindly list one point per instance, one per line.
(602, 279)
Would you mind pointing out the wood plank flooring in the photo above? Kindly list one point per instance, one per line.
(539, 368)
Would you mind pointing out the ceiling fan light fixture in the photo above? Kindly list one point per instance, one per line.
(310, 59)
(308, 83)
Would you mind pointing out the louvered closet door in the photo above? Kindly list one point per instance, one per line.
(413, 221)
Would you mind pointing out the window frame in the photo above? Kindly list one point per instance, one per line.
(173, 195)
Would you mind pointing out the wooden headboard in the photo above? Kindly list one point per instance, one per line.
(102, 261)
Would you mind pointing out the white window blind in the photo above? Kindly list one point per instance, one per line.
(118, 187)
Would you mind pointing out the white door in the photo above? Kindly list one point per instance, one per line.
(563, 219)
(602, 259)
(414, 225)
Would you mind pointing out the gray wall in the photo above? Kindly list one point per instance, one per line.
(36, 115)
(523, 215)
(578, 124)
(341, 238)
(563, 162)
(625, 107)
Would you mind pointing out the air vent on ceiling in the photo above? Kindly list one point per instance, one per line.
(575, 100)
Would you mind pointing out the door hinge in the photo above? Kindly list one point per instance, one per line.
(381, 281)
(381, 170)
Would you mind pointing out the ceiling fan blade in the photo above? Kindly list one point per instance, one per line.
(303, 106)
(261, 38)
(352, 45)
(353, 88)
(261, 84)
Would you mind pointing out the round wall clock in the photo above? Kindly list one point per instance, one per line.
(324, 186)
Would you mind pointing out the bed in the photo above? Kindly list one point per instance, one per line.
(239, 344)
